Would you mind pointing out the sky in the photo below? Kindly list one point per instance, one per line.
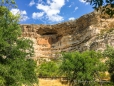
(50, 11)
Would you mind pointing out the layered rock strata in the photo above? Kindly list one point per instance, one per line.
(89, 32)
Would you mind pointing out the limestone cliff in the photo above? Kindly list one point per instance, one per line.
(89, 32)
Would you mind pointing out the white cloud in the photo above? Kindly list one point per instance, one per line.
(15, 11)
(52, 9)
(76, 8)
(55, 18)
(31, 3)
(37, 15)
(72, 3)
(72, 18)
(23, 14)
(40, 1)
(69, 5)
(48, 1)
(84, 1)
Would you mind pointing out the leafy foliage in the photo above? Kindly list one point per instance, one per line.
(82, 68)
(18, 72)
(16, 67)
(109, 52)
(48, 69)
(97, 4)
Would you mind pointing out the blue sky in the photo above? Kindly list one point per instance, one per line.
(50, 11)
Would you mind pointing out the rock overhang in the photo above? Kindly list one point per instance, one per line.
(79, 34)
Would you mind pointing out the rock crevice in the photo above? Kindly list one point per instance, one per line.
(84, 33)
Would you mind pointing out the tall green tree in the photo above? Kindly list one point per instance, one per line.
(82, 68)
(16, 67)
(109, 53)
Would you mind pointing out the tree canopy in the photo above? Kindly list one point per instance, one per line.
(109, 52)
(48, 69)
(82, 68)
(107, 6)
(16, 67)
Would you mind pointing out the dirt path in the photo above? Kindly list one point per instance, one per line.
(50, 82)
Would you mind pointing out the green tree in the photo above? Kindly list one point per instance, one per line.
(48, 69)
(106, 5)
(99, 3)
(82, 68)
(16, 67)
(109, 52)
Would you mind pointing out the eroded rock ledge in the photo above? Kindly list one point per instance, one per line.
(89, 32)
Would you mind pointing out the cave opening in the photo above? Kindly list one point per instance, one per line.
(47, 31)
(50, 33)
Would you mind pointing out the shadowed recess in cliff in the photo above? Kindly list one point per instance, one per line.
(50, 33)
(46, 31)
(89, 32)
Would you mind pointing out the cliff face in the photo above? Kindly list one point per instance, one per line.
(89, 32)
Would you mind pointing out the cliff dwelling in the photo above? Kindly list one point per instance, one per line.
(80, 34)
(48, 37)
